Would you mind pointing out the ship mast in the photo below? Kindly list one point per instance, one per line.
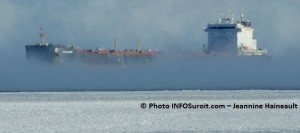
(242, 17)
(138, 44)
(115, 43)
(42, 37)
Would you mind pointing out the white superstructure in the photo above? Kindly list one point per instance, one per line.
(227, 36)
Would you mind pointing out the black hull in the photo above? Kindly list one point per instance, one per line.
(43, 53)
(49, 53)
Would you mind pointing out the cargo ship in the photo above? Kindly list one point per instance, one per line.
(58, 53)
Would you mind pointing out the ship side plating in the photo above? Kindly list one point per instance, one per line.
(115, 56)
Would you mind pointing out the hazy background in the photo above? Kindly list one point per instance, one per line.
(168, 25)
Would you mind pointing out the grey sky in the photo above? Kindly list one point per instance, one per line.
(159, 23)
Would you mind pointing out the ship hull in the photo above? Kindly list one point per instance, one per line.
(53, 53)
(112, 59)
(49, 53)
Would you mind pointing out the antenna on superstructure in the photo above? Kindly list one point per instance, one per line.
(115, 43)
(138, 44)
(42, 37)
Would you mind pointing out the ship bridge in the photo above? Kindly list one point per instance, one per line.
(232, 37)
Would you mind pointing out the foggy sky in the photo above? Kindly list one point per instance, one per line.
(168, 25)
